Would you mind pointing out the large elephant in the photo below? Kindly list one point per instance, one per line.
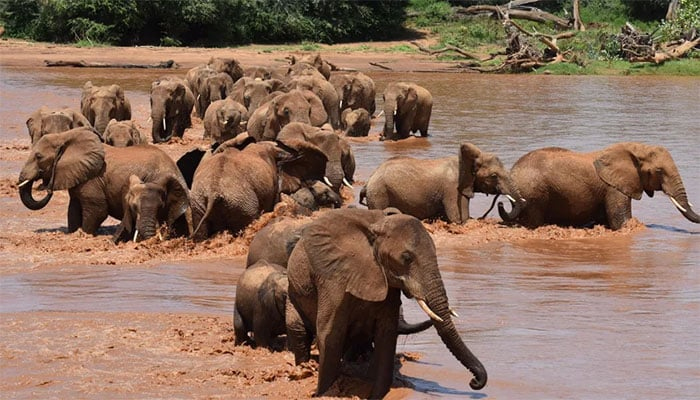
(251, 91)
(45, 120)
(171, 108)
(233, 187)
(295, 106)
(438, 188)
(346, 274)
(568, 188)
(408, 106)
(356, 90)
(100, 104)
(123, 134)
(96, 176)
(212, 86)
(224, 120)
(261, 297)
(324, 90)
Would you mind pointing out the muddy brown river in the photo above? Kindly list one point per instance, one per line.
(612, 317)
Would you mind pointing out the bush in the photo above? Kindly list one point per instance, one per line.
(19, 17)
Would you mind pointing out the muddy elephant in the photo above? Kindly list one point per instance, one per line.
(346, 274)
(568, 188)
(171, 108)
(250, 91)
(233, 187)
(324, 90)
(295, 106)
(356, 90)
(316, 195)
(408, 106)
(213, 86)
(149, 205)
(100, 104)
(224, 120)
(272, 243)
(314, 60)
(261, 296)
(263, 73)
(46, 120)
(228, 65)
(438, 188)
(332, 145)
(355, 123)
(96, 176)
(123, 134)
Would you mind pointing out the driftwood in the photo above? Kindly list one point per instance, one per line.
(85, 64)
(381, 66)
(516, 13)
(668, 52)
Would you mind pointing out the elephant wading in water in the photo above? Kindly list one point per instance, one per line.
(346, 274)
(44, 121)
(123, 134)
(438, 188)
(171, 108)
(578, 189)
(100, 104)
(408, 106)
(96, 177)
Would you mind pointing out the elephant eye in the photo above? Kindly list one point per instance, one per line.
(39, 156)
(406, 257)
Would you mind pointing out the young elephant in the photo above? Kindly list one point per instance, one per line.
(261, 296)
(577, 189)
(251, 91)
(346, 274)
(296, 106)
(45, 120)
(317, 195)
(438, 188)
(123, 134)
(171, 108)
(409, 107)
(100, 104)
(355, 122)
(224, 120)
(96, 176)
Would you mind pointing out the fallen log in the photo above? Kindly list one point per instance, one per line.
(530, 15)
(381, 66)
(668, 53)
(85, 64)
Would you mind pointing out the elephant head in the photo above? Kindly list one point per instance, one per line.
(315, 61)
(148, 204)
(216, 87)
(122, 134)
(294, 106)
(355, 122)
(100, 104)
(635, 167)
(356, 90)
(45, 121)
(62, 160)
(171, 100)
(225, 119)
(484, 173)
(378, 253)
(299, 162)
(251, 91)
(230, 66)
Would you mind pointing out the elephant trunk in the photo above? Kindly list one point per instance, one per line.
(676, 191)
(510, 190)
(436, 299)
(389, 109)
(25, 194)
(146, 224)
(159, 129)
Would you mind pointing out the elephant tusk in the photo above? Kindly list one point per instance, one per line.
(164, 128)
(327, 181)
(160, 236)
(24, 183)
(509, 197)
(150, 119)
(380, 114)
(428, 311)
(346, 183)
(136, 233)
(341, 104)
(678, 205)
(454, 313)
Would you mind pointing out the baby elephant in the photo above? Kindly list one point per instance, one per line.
(316, 196)
(355, 122)
(261, 295)
(123, 134)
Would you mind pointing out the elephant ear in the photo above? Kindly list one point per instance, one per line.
(127, 223)
(83, 158)
(468, 153)
(618, 167)
(188, 163)
(346, 256)
(412, 97)
(79, 120)
(318, 116)
(34, 126)
(304, 162)
(177, 199)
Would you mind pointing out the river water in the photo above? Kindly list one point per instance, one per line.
(616, 317)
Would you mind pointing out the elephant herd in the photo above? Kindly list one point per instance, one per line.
(337, 279)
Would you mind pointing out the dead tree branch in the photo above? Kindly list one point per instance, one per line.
(85, 64)
(514, 13)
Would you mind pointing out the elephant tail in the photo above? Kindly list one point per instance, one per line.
(210, 207)
(363, 196)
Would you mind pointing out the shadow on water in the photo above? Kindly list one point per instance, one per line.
(434, 388)
(672, 229)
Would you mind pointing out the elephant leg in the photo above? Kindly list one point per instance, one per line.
(75, 215)
(299, 337)
(262, 332)
(386, 332)
(618, 209)
(331, 330)
(239, 329)
(456, 207)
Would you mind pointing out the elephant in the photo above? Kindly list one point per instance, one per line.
(212, 86)
(569, 188)
(316, 195)
(332, 145)
(438, 188)
(274, 242)
(263, 73)
(346, 274)
(355, 122)
(314, 60)
(251, 91)
(171, 108)
(230, 66)
(356, 90)
(96, 176)
(100, 104)
(295, 106)
(224, 120)
(261, 297)
(123, 134)
(233, 187)
(324, 90)
(45, 120)
(409, 107)
(149, 204)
